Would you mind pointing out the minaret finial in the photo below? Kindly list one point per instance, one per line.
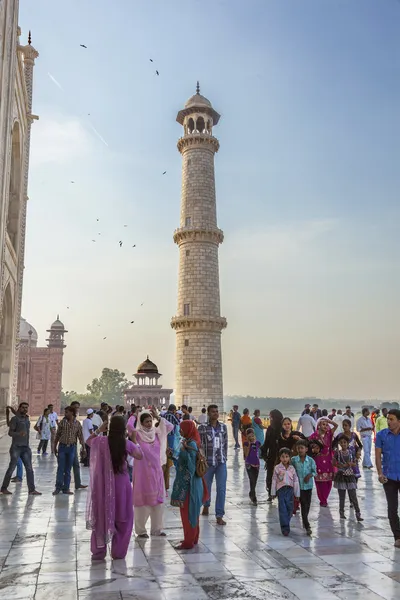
(29, 38)
(58, 317)
(198, 88)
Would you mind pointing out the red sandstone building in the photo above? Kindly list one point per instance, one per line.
(40, 368)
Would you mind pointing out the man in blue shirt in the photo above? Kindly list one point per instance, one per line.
(387, 458)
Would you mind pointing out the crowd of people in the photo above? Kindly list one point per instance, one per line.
(130, 455)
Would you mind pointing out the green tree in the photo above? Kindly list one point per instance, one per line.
(109, 386)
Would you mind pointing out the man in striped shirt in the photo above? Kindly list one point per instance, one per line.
(68, 433)
(214, 440)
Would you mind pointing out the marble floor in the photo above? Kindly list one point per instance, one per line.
(44, 550)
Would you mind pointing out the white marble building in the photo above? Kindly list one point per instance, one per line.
(198, 323)
(16, 78)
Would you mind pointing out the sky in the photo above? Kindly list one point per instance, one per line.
(307, 180)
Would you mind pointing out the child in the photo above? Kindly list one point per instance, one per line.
(285, 485)
(344, 461)
(251, 449)
(306, 470)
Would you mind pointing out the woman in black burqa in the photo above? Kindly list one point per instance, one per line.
(269, 450)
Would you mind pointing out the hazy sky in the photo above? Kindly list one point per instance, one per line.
(308, 184)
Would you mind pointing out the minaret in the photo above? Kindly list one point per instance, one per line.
(198, 323)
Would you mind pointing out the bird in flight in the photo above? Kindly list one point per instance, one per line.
(132, 322)
(125, 225)
(97, 219)
(120, 244)
(164, 172)
(151, 60)
(67, 306)
(142, 304)
(104, 338)
(83, 46)
(134, 246)
(93, 240)
(72, 181)
(157, 73)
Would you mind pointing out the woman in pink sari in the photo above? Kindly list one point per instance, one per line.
(109, 510)
(324, 478)
(148, 477)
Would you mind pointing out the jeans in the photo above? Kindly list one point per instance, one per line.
(235, 430)
(20, 470)
(66, 456)
(220, 477)
(252, 472)
(392, 490)
(285, 504)
(77, 469)
(43, 445)
(86, 460)
(305, 503)
(25, 454)
(353, 500)
(367, 445)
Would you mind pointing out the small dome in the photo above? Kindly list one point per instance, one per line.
(25, 329)
(57, 324)
(198, 100)
(147, 367)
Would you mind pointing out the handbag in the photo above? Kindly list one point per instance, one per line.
(201, 461)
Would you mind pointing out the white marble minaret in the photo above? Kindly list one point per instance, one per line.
(198, 323)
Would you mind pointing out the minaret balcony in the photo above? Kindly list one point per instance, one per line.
(193, 140)
(199, 323)
(198, 234)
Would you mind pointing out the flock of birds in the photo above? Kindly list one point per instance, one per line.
(120, 242)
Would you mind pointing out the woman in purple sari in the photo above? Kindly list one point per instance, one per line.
(109, 510)
(323, 460)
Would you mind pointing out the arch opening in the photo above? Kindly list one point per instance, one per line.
(14, 194)
(6, 339)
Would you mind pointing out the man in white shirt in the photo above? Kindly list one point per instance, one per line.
(338, 419)
(365, 428)
(349, 415)
(53, 419)
(306, 423)
(87, 427)
(202, 419)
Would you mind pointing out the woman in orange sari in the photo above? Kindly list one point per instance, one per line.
(245, 424)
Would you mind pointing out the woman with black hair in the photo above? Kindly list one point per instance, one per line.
(109, 511)
(269, 449)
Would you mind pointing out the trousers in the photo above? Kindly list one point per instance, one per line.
(305, 503)
(352, 497)
(252, 473)
(53, 438)
(270, 464)
(77, 469)
(323, 490)
(367, 445)
(285, 506)
(24, 453)
(20, 470)
(190, 534)
(392, 490)
(235, 430)
(156, 515)
(219, 472)
(119, 544)
(43, 445)
(66, 455)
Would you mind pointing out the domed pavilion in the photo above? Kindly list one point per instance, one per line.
(147, 391)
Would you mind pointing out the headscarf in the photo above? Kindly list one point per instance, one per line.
(147, 435)
(100, 505)
(189, 432)
(319, 422)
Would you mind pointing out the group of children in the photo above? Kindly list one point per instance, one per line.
(293, 477)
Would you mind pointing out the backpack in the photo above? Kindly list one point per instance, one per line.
(201, 462)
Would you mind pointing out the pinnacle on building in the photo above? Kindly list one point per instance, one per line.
(198, 323)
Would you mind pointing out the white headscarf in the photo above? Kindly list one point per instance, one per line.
(149, 435)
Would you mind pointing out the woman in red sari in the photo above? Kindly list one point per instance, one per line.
(324, 478)
(190, 491)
